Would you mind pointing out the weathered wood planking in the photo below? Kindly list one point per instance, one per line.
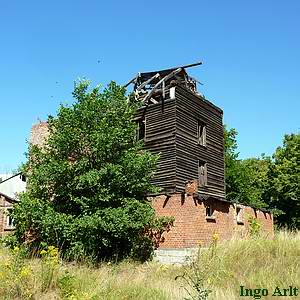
(160, 123)
(171, 131)
(189, 109)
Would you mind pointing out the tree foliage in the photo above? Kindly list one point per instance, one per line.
(257, 180)
(87, 184)
(285, 179)
(266, 182)
(231, 163)
(246, 180)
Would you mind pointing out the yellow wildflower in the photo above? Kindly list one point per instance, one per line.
(43, 252)
(216, 237)
(16, 250)
(25, 271)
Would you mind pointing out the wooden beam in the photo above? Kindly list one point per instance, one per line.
(164, 89)
(148, 81)
(192, 65)
(153, 101)
(131, 81)
(170, 75)
(183, 67)
(193, 78)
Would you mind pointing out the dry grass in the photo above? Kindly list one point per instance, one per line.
(254, 263)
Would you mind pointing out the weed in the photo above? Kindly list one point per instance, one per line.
(217, 273)
(50, 266)
(254, 226)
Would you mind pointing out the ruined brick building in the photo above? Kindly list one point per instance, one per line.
(186, 130)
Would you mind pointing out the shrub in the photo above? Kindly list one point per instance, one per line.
(254, 226)
(87, 185)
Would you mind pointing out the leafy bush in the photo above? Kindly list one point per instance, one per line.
(67, 285)
(88, 183)
(254, 226)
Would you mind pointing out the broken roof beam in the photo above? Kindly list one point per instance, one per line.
(131, 81)
(167, 77)
(192, 65)
(147, 81)
(153, 100)
(135, 79)
(196, 80)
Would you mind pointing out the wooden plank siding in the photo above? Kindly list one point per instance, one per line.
(190, 109)
(160, 139)
(171, 131)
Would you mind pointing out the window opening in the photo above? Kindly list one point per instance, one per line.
(201, 133)
(141, 130)
(9, 218)
(202, 172)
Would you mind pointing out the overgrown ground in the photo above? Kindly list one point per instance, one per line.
(254, 263)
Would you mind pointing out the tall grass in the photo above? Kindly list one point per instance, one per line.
(253, 263)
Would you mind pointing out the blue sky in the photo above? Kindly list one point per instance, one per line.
(250, 52)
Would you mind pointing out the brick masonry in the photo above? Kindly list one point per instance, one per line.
(5, 204)
(192, 228)
(39, 134)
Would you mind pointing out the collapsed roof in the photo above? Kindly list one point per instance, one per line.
(153, 87)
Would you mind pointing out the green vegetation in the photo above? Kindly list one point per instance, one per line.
(87, 185)
(285, 182)
(254, 263)
(266, 182)
(247, 180)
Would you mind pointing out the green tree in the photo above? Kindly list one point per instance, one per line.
(256, 181)
(246, 180)
(87, 185)
(231, 162)
(285, 178)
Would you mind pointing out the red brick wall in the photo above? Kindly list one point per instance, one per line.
(3, 216)
(191, 227)
(39, 134)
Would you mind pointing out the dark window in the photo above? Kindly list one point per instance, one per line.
(202, 172)
(23, 177)
(141, 130)
(9, 219)
(209, 211)
(201, 133)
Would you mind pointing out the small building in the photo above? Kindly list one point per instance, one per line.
(6, 220)
(186, 130)
(10, 186)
